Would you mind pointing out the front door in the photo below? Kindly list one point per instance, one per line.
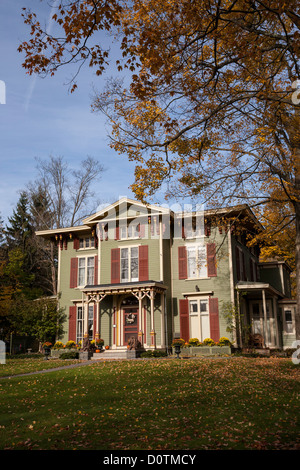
(130, 323)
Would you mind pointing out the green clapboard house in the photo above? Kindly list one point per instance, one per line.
(151, 273)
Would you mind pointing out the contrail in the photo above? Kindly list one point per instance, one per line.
(34, 78)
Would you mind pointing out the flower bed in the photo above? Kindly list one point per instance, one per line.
(206, 351)
(207, 348)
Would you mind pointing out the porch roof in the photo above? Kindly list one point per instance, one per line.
(254, 287)
(124, 287)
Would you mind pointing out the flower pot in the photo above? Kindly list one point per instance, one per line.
(177, 350)
(47, 353)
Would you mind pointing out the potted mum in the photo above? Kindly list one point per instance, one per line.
(47, 347)
(177, 344)
(99, 344)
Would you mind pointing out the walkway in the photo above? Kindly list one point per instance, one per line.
(43, 371)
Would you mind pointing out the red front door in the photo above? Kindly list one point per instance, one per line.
(130, 323)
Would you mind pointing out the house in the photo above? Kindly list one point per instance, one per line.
(149, 272)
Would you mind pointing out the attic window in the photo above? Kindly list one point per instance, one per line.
(87, 242)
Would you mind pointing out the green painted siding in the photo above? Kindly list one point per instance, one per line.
(220, 285)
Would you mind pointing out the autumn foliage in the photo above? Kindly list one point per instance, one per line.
(210, 103)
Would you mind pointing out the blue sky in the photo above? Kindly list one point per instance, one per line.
(41, 118)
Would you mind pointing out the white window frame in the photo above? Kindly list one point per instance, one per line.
(80, 322)
(130, 231)
(200, 269)
(87, 243)
(129, 267)
(86, 268)
(289, 326)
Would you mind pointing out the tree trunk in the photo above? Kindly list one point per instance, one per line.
(297, 316)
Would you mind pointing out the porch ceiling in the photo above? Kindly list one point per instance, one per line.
(255, 288)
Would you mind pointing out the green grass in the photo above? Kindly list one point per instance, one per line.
(157, 404)
(30, 363)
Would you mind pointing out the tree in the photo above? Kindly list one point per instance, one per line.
(20, 238)
(59, 197)
(40, 318)
(19, 230)
(211, 107)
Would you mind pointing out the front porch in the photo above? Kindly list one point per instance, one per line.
(125, 311)
(258, 315)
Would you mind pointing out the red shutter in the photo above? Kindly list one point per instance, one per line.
(76, 243)
(72, 323)
(117, 233)
(96, 271)
(182, 263)
(214, 319)
(211, 260)
(143, 263)
(115, 266)
(73, 272)
(184, 319)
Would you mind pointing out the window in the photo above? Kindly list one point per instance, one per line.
(130, 231)
(197, 261)
(193, 226)
(199, 319)
(79, 329)
(86, 268)
(288, 321)
(130, 264)
(86, 242)
(80, 320)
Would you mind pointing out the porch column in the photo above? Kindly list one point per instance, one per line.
(85, 319)
(265, 318)
(276, 321)
(140, 332)
(162, 303)
(97, 326)
(152, 331)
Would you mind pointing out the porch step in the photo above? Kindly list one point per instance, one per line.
(115, 354)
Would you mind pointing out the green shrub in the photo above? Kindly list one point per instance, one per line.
(153, 353)
(70, 355)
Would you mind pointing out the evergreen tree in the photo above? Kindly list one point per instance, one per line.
(19, 232)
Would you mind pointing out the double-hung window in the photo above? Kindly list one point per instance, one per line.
(130, 264)
(86, 268)
(88, 242)
(80, 320)
(196, 261)
(288, 321)
(129, 231)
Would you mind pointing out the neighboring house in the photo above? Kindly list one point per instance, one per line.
(149, 272)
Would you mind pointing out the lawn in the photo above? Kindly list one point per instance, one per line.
(156, 404)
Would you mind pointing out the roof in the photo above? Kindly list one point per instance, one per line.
(138, 209)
